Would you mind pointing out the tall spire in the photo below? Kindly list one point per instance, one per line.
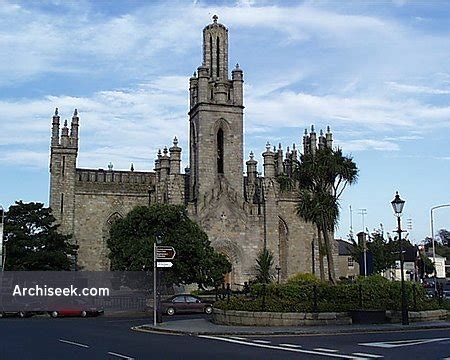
(215, 49)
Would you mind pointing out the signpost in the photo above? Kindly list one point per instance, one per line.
(2, 219)
(161, 255)
(164, 264)
(165, 253)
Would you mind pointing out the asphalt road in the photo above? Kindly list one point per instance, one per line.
(111, 338)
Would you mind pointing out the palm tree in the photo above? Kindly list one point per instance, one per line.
(323, 176)
(264, 264)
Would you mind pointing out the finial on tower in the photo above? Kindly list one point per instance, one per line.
(268, 146)
(132, 167)
(321, 132)
(328, 129)
(110, 166)
(237, 65)
(56, 111)
(251, 155)
(175, 141)
(165, 151)
(75, 113)
(306, 132)
(215, 18)
(65, 123)
(312, 128)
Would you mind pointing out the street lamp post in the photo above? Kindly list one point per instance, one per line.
(432, 239)
(397, 205)
(2, 220)
(278, 269)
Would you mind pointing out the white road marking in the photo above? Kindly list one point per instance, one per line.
(261, 341)
(73, 343)
(367, 355)
(120, 356)
(237, 338)
(326, 350)
(399, 343)
(281, 348)
(291, 345)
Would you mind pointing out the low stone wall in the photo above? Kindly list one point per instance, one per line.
(248, 318)
(416, 316)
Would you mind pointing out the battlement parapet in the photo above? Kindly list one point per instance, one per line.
(113, 180)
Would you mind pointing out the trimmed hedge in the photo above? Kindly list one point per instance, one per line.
(297, 295)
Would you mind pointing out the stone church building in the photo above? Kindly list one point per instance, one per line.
(240, 212)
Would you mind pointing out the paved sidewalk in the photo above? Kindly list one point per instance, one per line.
(206, 327)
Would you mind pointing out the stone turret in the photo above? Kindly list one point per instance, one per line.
(74, 129)
(313, 140)
(329, 138)
(269, 162)
(252, 172)
(175, 157)
(279, 161)
(310, 144)
(238, 85)
(164, 164)
(55, 129)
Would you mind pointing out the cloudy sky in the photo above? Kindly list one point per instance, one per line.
(377, 72)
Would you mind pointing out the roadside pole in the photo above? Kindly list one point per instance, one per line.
(154, 283)
(2, 257)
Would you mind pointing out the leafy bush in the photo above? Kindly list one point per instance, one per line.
(297, 295)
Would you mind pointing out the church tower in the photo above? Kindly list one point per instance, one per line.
(216, 118)
(63, 158)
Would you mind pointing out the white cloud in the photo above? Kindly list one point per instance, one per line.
(368, 144)
(120, 125)
(417, 89)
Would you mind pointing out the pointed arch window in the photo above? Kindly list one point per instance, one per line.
(217, 56)
(220, 153)
(210, 54)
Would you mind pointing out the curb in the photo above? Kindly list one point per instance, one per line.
(153, 329)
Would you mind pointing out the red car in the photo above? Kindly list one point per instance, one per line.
(75, 308)
(185, 303)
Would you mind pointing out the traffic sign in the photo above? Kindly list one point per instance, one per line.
(165, 253)
(164, 264)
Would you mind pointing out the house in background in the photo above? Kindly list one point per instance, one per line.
(346, 266)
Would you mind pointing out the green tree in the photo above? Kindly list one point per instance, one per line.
(384, 251)
(32, 241)
(444, 236)
(132, 238)
(323, 177)
(264, 267)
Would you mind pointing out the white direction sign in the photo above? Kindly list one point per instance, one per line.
(164, 264)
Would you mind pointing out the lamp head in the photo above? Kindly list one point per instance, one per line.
(397, 204)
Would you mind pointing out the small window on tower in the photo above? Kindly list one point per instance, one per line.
(220, 151)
